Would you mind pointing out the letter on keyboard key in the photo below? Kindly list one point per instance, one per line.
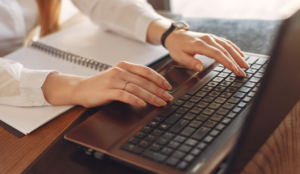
(154, 155)
(173, 118)
(200, 133)
(179, 125)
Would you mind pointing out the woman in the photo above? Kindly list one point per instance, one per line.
(131, 18)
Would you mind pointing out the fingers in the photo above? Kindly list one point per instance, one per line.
(146, 73)
(233, 51)
(189, 61)
(124, 96)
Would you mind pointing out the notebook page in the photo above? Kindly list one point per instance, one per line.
(88, 40)
(27, 119)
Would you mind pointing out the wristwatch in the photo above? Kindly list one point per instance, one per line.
(174, 26)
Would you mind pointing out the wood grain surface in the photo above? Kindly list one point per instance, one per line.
(16, 154)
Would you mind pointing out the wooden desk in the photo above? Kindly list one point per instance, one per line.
(279, 155)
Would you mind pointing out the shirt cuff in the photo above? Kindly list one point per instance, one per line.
(30, 86)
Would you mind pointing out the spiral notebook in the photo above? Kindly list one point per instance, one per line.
(84, 50)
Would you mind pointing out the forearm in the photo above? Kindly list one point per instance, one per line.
(61, 89)
(156, 30)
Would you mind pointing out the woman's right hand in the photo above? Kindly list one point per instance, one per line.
(145, 85)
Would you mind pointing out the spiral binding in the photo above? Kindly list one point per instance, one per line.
(70, 57)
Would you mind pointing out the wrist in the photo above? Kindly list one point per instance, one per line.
(156, 30)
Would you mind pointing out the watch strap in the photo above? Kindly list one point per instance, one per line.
(166, 34)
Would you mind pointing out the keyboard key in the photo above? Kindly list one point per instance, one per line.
(239, 94)
(220, 88)
(153, 123)
(242, 104)
(195, 152)
(218, 69)
(134, 140)
(191, 142)
(159, 118)
(208, 99)
(173, 144)
(251, 71)
(208, 139)
(178, 102)
(189, 158)
(251, 60)
(201, 94)
(208, 111)
(231, 115)
(144, 143)
(200, 133)
(228, 105)
(236, 109)
(202, 145)
(261, 61)
(189, 116)
(255, 66)
(172, 161)
(157, 132)
(201, 117)
(220, 126)
(233, 100)
(185, 97)
(179, 125)
(226, 94)
(245, 89)
(178, 154)
(230, 79)
(179, 138)
(254, 79)
(237, 84)
(167, 151)
(168, 135)
(214, 133)
(173, 118)
(187, 131)
(231, 89)
(162, 141)
(185, 148)
(217, 79)
(214, 105)
(182, 165)
(164, 126)
(146, 129)
(226, 71)
(132, 148)
(154, 156)
(220, 100)
(188, 105)
(210, 124)
(202, 104)
(226, 120)
(155, 147)
(195, 99)
(223, 75)
(250, 84)
(222, 111)
(214, 94)
(196, 110)
(246, 99)
(212, 84)
(225, 83)
(151, 138)
(216, 117)
(169, 110)
(195, 124)
(251, 94)
(140, 135)
(207, 88)
(241, 79)
(182, 110)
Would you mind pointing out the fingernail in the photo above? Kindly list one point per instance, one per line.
(167, 85)
(246, 64)
(160, 102)
(199, 67)
(243, 73)
(168, 96)
(141, 102)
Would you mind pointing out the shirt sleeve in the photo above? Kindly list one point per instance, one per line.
(129, 18)
(20, 86)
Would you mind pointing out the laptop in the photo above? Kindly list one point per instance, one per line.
(217, 121)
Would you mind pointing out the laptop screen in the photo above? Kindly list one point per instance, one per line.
(278, 93)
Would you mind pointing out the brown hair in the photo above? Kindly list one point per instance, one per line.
(49, 15)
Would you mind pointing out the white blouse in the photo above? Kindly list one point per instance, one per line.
(20, 86)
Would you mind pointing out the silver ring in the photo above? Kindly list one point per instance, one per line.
(127, 81)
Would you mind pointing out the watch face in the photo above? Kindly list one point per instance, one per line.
(181, 25)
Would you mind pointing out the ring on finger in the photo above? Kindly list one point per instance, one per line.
(127, 81)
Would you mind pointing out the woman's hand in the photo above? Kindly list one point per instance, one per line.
(184, 45)
(145, 85)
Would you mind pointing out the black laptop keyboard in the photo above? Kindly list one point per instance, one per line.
(183, 130)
